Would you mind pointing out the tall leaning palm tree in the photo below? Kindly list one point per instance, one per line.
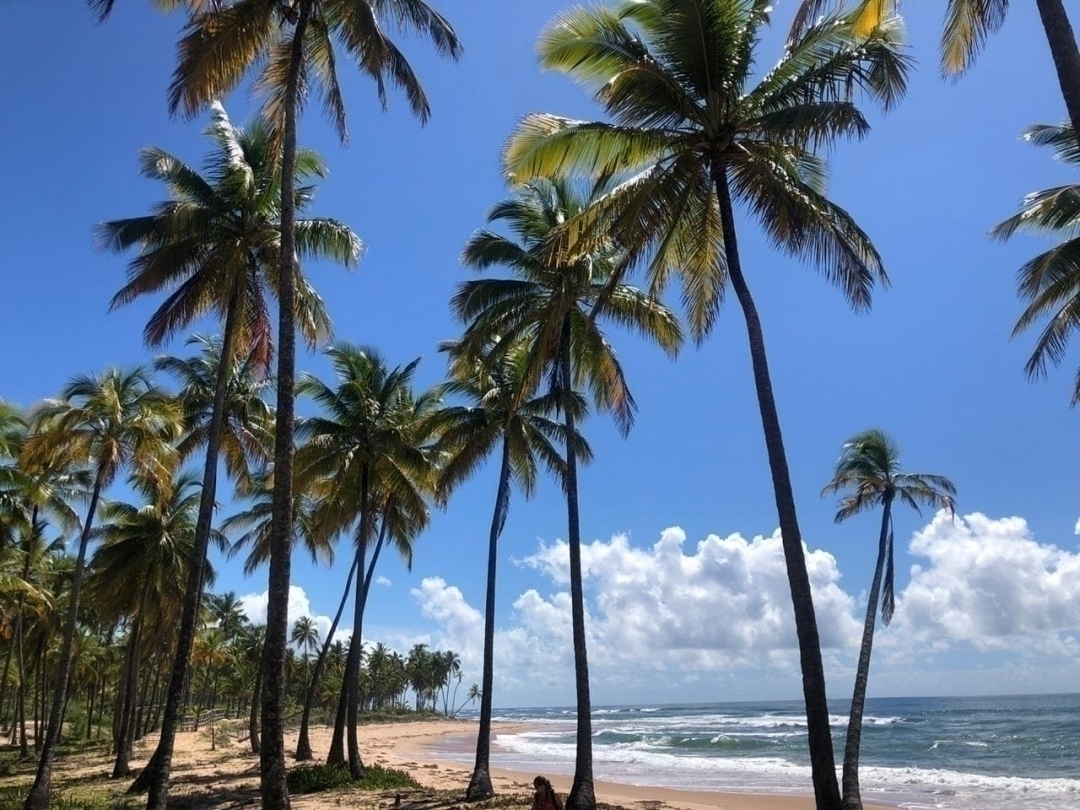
(497, 413)
(869, 467)
(296, 44)
(553, 305)
(110, 421)
(1050, 283)
(214, 248)
(365, 448)
(692, 136)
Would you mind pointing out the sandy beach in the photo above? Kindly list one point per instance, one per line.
(412, 749)
(226, 776)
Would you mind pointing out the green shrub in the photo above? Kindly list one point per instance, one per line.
(381, 778)
(317, 778)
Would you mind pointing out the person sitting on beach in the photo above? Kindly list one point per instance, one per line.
(546, 798)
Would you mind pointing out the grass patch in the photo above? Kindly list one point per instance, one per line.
(12, 798)
(317, 778)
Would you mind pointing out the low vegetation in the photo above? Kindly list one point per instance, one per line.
(317, 778)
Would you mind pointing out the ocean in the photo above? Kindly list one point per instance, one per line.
(950, 753)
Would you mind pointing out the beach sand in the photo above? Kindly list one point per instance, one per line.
(228, 777)
(413, 750)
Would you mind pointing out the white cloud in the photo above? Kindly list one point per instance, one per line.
(724, 607)
(254, 605)
(666, 615)
(991, 585)
(384, 581)
(728, 596)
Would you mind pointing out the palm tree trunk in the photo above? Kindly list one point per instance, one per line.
(155, 776)
(341, 716)
(303, 744)
(4, 685)
(39, 796)
(39, 694)
(122, 766)
(480, 784)
(253, 716)
(582, 795)
(822, 762)
(91, 693)
(850, 779)
(356, 764)
(67, 701)
(24, 750)
(142, 706)
(151, 710)
(275, 791)
(1059, 34)
(20, 693)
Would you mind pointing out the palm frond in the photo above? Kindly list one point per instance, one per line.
(968, 23)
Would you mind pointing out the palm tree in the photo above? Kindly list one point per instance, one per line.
(1049, 283)
(26, 491)
(148, 548)
(217, 50)
(303, 741)
(870, 466)
(215, 245)
(305, 634)
(968, 23)
(368, 449)
(247, 422)
(111, 421)
(554, 305)
(499, 413)
(418, 670)
(255, 523)
(692, 135)
(12, 506)
(226, 610)
(251, 644)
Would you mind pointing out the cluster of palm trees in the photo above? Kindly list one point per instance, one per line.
(692, 132)
(123, 645)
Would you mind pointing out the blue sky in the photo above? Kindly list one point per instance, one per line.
(932, 364)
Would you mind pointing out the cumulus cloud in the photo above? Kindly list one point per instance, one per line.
(727, 595)
(254, 605)
(722, 606)
(535, 648)
(384, 581)
(990, 584)
(669, 614)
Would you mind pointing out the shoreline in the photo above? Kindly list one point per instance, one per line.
(418, 753)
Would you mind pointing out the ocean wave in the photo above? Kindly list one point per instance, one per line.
(774, 772)
(956, 781)
(623, 715)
